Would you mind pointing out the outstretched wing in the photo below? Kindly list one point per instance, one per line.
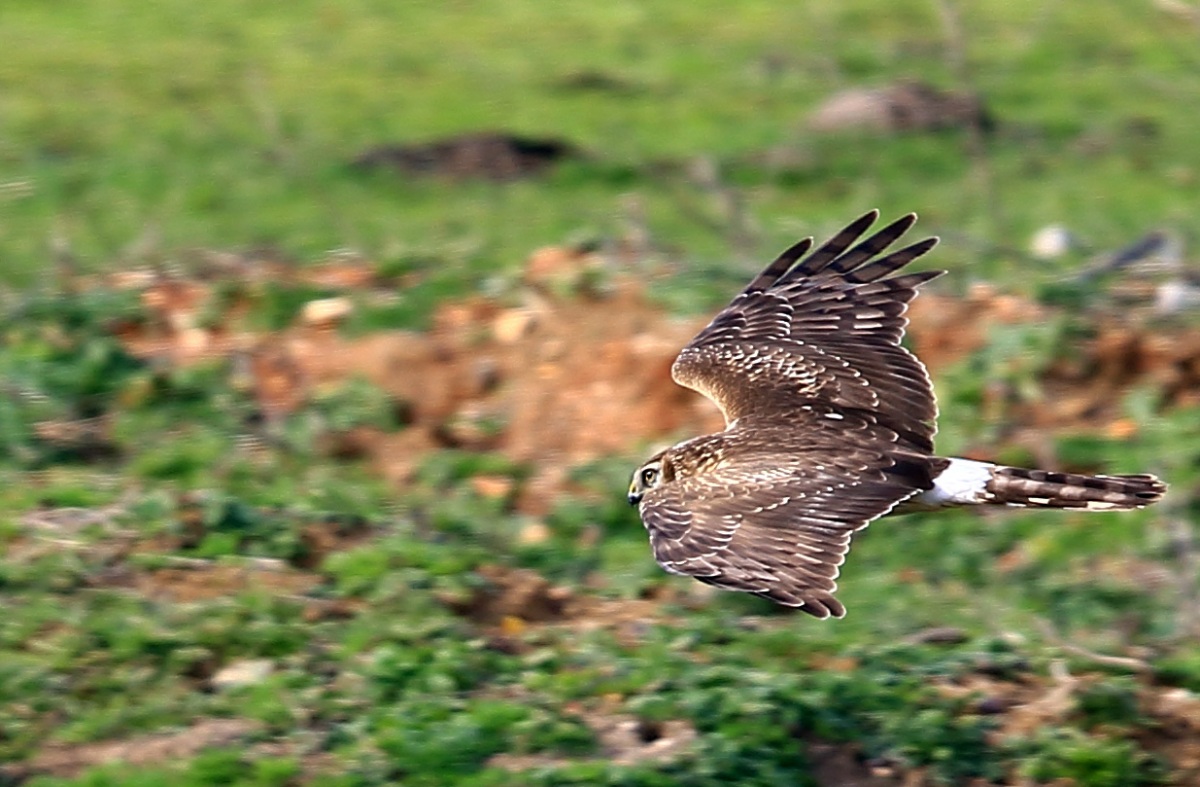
(775, 514)
(825, 329)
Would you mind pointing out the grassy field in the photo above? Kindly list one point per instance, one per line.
(226, 127)
(208, 580)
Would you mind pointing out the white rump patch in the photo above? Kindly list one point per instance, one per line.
(962, 483)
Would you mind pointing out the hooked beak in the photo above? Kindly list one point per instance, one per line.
(634, 497)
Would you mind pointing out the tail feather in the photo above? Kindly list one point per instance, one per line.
(1046, 489)
(968, 482)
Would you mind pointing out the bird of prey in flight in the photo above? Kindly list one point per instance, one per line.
(829, 426)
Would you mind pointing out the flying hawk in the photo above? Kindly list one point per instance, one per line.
(829, 424)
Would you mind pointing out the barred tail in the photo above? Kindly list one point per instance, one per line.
(1018, 487)
(967, 482)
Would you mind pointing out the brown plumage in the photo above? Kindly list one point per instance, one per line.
(1017, 486)
(829, 425)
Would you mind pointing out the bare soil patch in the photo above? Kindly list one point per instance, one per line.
(68, 761)
(486, 155)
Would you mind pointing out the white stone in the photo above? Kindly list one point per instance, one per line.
(1051, 242)
(247, 672)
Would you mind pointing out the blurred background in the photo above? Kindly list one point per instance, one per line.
(330, 333)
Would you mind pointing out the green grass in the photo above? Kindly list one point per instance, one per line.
(230, 127)
(406, 689)
(133, 133)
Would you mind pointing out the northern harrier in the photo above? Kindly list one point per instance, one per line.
(829, 425)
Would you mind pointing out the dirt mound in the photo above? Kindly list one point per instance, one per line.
(908, 105)
(488, 155)
(551, 383)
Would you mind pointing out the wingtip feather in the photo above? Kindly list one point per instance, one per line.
(861, 224)
(779, 266)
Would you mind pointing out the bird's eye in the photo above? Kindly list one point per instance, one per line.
(648, 475)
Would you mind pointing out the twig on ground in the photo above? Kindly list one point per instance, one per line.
(1119, 662)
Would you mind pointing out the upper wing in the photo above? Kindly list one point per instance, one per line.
(826, 328)
(774, 517)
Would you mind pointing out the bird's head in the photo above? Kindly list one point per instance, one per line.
(652, 473)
